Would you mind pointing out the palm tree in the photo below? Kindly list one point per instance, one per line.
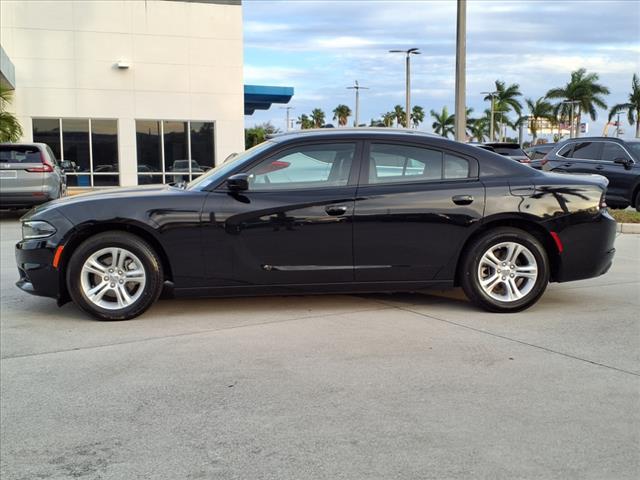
(632, 106)
(399, 115)
(388, 118)
(583, 89)
(10, 129)
(342, 114)
(470, 121)
(417, 115)
(539, 109)
(305, 122)
(505, 100)
(443, 122)
(479, 129)
(317, 117)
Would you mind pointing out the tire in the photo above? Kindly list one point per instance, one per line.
(521, 288)
(637, 202)
(119, 293)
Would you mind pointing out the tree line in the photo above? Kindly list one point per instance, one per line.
(583, 95)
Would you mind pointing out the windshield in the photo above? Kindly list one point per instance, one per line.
(220, 171)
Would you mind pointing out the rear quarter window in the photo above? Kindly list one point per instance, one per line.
(19, 154)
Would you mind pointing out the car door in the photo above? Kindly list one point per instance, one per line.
(621, 177)
(294, 223)
(585, 158)
(414, 208)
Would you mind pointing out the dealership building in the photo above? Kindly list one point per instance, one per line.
(132, 92)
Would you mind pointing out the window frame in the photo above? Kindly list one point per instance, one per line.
(164, 173)
(278, 150)
(474, 168)
(91, 172)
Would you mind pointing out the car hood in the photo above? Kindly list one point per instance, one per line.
(111, 193)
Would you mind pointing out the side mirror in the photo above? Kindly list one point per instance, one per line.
(625, 162)
(238, 182)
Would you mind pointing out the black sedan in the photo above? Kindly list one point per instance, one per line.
(334, 210)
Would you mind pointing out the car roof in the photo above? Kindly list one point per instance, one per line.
(32, 144)
(350, 131)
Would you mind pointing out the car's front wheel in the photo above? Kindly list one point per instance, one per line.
(505, 270)
(114, 276)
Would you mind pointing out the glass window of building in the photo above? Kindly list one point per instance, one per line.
(90, 146)
(173, 151)
(47, 130)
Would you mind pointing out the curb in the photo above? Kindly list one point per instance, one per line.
(628, 227)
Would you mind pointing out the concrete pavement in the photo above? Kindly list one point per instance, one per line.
(341, 387)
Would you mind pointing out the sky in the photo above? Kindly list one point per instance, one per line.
(322, 47)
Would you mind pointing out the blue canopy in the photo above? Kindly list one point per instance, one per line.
(260, 97)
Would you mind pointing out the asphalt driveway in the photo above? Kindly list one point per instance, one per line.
(337, 387)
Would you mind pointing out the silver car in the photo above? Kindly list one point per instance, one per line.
(30, 175)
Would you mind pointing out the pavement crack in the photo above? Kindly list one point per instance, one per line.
(515, 340)
(186, 334)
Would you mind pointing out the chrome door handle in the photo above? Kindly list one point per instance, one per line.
(336, 210)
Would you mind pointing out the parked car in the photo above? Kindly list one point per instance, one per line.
(29, 175)
(511, 150)
(328, 210)
(614, 158)
(537, 152)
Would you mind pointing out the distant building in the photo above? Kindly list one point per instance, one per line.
(131, 91)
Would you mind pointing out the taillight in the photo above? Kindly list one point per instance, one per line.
(603, 202)
(45, 168)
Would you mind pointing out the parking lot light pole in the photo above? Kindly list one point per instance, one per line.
(408, 53)
(491, 132)
(288, 109)
(357, 88)
(461, 47)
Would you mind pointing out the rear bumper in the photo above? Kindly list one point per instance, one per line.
(24, 200)
(588, 249)
(34, 259)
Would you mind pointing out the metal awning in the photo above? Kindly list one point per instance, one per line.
(261, 97)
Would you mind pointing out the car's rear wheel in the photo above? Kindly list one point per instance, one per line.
(505, 270)
(114, 276)
(637, 202)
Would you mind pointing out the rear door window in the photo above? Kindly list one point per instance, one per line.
(19, 154)
(391, 163)
(587, 151)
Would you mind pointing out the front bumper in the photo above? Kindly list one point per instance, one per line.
(588, 249)
(34, 259)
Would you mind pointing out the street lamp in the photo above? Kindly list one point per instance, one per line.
(572, 103)
(287, 109)
(357, 88)
(408, 53)
(492, 95)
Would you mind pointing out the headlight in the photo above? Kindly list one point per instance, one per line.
(37, 229)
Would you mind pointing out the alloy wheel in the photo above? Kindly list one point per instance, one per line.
(507, 271)
(113, 278)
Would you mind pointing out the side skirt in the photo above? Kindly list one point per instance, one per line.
(310, 289)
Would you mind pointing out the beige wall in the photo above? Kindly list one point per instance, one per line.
(185, 64)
